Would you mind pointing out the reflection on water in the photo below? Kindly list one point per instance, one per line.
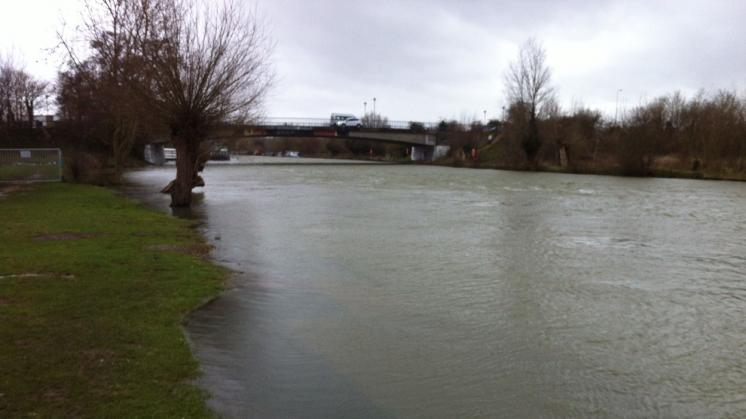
(426, 292)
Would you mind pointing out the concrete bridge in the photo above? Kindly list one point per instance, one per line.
(395, 132)
(419, 137)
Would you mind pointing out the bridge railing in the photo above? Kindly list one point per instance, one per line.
(325, 123)
(295, 122)
(410, 125)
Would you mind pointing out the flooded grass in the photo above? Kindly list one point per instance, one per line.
(90, 318)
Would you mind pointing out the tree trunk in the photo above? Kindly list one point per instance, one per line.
(531, 141)
(30, 114)
(122, 141)
(186, 166)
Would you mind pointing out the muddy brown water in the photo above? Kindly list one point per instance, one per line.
(424, 292)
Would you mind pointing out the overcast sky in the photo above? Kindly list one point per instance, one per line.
(425, 60)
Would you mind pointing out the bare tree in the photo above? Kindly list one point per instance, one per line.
(19, 93)
(527, 83)
(527, 80)
(7, 92)
(375, 120)
(205, 64)
(112, 30)
(32, 91)
(675, 104)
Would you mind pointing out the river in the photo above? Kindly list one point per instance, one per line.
(375, 291)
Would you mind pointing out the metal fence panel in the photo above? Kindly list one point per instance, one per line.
(30, 165)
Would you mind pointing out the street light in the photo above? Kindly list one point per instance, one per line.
(485, 116)
(616, 111)
(503, 114)
(374, 105)
(365, 108)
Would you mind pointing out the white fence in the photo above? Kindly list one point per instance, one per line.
(30, 165)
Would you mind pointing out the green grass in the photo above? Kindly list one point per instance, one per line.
(96, 331)
(21, 172)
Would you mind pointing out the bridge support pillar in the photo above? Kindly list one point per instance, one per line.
(154, 154)
(421, 153)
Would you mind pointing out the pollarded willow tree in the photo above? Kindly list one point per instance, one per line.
(206, 64)
(528, 85)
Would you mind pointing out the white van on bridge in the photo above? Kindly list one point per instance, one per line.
(345, 120)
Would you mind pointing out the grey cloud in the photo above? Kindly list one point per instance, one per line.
(430, 59)
(444, 58)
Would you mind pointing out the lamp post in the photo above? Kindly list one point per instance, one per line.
(485, 116)
(365, 108)
(616, 111)
(374, 105)
(503, 114)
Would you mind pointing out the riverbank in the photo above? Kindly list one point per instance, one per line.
(93, 290)
(491, 156)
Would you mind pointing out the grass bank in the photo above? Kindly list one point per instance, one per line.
(93, 289)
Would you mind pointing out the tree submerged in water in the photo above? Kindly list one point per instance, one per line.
(187, 65)
(206, 65)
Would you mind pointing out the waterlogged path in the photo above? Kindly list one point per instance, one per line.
(405, 291)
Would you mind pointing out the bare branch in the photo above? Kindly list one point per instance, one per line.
(527, 81)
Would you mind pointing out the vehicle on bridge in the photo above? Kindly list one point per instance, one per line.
(345, 120)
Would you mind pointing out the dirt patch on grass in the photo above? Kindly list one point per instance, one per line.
(8, 189)
(32, 275)
(201, 250)
(67, 236)
(94, 358)
(144, 234)
(54, 396)
(24, 343)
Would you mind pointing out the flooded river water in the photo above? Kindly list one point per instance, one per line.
(378, 291)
